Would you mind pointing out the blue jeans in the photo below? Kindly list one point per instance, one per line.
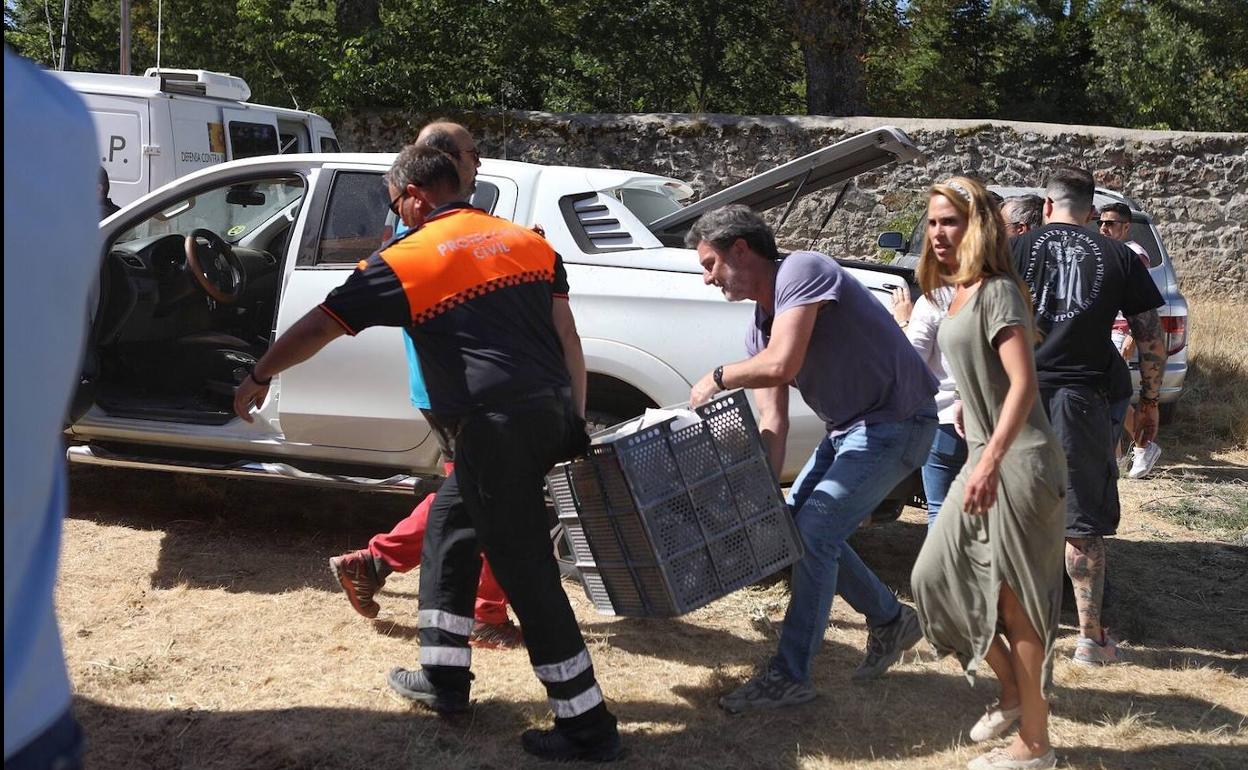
(946, 458)
(844, 480)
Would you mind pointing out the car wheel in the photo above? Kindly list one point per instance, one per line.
(1166, 412)
(597, 420)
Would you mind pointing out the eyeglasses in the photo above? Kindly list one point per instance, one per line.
(1110, 223)
(394, 204)
(474, 153)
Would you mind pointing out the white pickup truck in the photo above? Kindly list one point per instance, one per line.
(200, 276)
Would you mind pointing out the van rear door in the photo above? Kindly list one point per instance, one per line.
(249, 133)
(121, 129)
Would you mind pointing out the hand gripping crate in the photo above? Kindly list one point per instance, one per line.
(662, 522)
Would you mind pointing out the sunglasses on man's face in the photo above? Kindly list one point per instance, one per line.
(473, 153)
(1110, 223)
(394, 204)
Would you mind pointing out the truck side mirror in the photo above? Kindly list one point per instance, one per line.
(891, 240)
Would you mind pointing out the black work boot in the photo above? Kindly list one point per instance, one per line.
(557, 745)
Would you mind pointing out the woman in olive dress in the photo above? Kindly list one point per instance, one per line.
(988, 581)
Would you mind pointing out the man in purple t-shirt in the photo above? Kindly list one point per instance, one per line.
(819, 330)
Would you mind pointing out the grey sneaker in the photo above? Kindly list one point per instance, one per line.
(886, 644)
(768, 690)
(415, 686)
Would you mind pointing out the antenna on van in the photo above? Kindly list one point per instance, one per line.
(160, 8)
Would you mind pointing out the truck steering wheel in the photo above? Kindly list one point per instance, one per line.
(219, 273)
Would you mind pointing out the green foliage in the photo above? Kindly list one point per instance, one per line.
(1179, 64)
(1160, 70)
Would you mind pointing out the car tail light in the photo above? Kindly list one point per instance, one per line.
(1175, 328)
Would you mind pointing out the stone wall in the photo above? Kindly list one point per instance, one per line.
(1195, 185)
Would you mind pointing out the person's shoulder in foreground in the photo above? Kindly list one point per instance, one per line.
(50, 247)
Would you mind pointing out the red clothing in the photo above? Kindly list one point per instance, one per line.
(401, 547)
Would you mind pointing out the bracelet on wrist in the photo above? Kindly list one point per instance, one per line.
(257, 380)
(718, 376)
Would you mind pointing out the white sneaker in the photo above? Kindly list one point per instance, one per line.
(1142, 460)
(995, 722)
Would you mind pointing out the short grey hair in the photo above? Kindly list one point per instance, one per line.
(722, 227)
(423, 166)
(1070, 189)
(1024, 209)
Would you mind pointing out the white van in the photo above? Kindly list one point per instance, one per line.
(156, 127)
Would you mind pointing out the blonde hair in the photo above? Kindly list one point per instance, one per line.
(984, 250)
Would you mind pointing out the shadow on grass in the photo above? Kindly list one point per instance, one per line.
(1190, 756)
(686, 730)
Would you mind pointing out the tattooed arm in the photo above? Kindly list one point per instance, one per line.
(1151, 343)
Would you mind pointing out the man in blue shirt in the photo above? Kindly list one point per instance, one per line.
(819, 330)
(362, 573)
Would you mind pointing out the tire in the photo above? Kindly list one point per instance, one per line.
(597, 420)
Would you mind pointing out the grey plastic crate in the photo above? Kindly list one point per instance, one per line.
(662, 522)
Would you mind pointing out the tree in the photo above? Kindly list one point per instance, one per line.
(831, 35)
(1163, 65)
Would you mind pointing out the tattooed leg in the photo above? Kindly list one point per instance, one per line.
(1085, 563)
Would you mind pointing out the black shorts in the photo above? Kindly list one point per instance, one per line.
(1081, 418)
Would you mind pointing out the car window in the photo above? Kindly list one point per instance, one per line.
(329, 144)
(648, 205)
(919, 234)
(356, 222)
(1142, 234)
(484, 197)
(231, 211)
(249, 140)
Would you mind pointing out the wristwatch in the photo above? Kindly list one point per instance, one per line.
(718, 376)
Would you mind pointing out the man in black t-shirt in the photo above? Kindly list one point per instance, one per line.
(1080, 280)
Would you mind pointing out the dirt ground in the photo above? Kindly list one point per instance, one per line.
(203, 630)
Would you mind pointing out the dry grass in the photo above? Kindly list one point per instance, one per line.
(202, 630)
(1215, 403)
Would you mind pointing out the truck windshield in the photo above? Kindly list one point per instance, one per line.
(231, 211)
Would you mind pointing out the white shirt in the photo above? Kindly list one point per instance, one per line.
(51, 258)
(925, 320)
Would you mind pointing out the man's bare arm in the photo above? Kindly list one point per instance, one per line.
(573, 355)
(1150, 341)
(773, 423)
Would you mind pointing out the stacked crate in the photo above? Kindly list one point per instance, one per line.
(664, 521)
